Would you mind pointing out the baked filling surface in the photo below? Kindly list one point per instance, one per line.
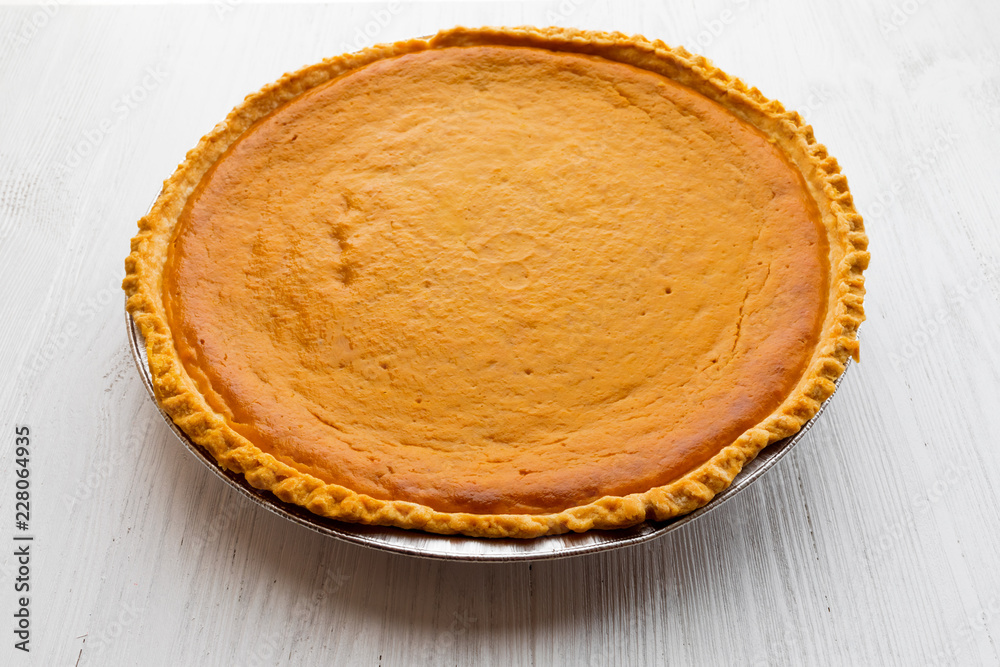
(497, 279)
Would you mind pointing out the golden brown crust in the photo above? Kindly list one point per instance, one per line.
(179, 396)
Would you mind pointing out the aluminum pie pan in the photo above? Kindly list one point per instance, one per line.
(461, 548)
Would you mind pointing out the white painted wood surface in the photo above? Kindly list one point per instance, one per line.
(875, 542)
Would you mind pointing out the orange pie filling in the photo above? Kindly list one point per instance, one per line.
(498, 280)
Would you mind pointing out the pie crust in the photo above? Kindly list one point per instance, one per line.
(492, 492)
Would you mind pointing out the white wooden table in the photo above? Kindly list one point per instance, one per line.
(875, 542)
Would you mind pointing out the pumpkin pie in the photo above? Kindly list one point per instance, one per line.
(503, 282)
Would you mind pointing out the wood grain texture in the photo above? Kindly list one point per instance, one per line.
(874, 542)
